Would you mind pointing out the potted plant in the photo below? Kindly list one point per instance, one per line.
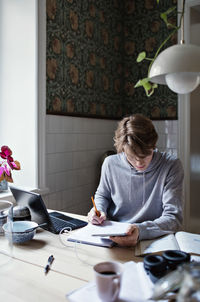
(7, 164)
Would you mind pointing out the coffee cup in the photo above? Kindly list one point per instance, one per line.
(108, 280)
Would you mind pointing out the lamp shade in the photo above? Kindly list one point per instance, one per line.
(178, 67)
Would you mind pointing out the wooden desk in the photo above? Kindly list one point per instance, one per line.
(25, 282)
(24, 279)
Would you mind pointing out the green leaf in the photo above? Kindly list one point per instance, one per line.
(164, 16)
(157, 1)
(148, 87)
(153, 87)
(141, 82)
(141, 56)
(170, 10)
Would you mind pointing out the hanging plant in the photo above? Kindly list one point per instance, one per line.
(165, 16)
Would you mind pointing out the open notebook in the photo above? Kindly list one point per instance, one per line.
(184, 241)
(99, 234)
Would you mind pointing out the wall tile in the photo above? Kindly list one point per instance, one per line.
(64, 142)
(89, 125)
(66, 124)
(51, 182)
(50, 143)
(162, 141)
(160, 126)
(82, 141)
(55, 200)
(64, 161)
(51, 164)
(91, 142)
(61, 181)
(83, 177)
(80, 160)
(175, 127)
(78, 125)
(171, 141)
(54, 124)
(67, 201)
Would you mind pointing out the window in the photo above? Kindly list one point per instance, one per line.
(22, 93)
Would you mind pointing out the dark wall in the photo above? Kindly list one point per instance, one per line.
(92, 48)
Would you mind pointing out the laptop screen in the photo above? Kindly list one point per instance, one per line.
(55, 221)
(34, 202)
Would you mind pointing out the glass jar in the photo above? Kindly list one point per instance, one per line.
(190, 285)
(6, 243)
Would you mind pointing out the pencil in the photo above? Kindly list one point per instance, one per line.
(97, 212)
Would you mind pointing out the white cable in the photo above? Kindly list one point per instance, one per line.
(67, 231)
(77, 255)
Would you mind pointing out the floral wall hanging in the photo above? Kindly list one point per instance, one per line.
(92, 48)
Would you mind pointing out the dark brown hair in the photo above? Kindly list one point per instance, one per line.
(136, 132)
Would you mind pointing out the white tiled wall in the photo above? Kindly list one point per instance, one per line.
(168, 136)
(74, 148)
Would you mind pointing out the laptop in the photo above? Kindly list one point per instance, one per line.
(55, 221)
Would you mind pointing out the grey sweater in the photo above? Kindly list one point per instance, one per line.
(151, 199)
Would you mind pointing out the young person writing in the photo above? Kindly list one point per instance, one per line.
(139, 184)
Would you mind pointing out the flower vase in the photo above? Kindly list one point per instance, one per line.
(3, 185)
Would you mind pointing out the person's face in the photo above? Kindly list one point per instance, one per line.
(139, 163)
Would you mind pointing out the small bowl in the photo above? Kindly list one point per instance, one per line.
(19, 230)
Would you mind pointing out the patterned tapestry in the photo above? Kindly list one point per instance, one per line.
(91, 53)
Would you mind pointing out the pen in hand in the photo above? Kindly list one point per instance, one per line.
(96, 211)
(49, 263)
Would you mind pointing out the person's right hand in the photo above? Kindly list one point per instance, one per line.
(94, 219)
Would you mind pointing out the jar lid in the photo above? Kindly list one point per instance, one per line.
(19, 211)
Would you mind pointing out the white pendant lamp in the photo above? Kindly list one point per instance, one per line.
(178, 67)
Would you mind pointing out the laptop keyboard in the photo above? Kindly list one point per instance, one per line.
(72, 223)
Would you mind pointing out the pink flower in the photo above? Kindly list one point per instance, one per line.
(7, 164)
(6, 153)
(1, 172)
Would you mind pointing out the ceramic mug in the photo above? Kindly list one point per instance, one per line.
(108, 280)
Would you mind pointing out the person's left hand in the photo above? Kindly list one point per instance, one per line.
(130, 239)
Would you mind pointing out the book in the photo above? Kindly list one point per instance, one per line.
(99, 234)
(183, 241)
